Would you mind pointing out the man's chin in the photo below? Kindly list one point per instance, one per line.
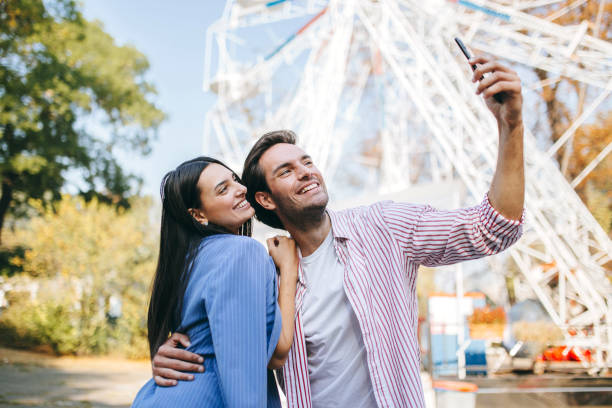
(319, 202)
(312, 210)
(296, 212)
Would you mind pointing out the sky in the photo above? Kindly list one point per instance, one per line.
(172, 36)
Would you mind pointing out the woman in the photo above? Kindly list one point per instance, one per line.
(219, 286)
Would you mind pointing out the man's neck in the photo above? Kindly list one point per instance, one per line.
(310, 238)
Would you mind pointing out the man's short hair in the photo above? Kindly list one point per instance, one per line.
(254, 178)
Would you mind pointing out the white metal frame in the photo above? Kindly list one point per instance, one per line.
(426, 121)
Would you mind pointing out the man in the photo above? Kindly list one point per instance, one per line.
(355, 341)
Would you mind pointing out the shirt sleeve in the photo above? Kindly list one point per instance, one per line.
(237, 304)
(431, 237)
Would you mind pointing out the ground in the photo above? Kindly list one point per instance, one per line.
(36, 380)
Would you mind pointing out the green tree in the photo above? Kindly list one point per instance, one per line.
(79, 257)
(60, 76)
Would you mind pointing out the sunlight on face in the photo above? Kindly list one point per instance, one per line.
(223, 198)
(296, 184)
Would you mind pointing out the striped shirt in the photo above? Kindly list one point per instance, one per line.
(381, 247)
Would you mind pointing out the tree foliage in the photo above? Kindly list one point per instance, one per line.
(589, 140)
(566, 99)
(60, 77)
(79, 259)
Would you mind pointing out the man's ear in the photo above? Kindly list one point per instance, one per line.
(198, 215)
(264, 199)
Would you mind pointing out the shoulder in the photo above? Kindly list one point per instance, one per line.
(374, 217)
(393, 208)
(362, 210)
(362, 214)
(229, 244)
(230, 255)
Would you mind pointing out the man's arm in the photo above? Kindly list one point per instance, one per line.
(507, 191)
(431, 237)
(170, 359)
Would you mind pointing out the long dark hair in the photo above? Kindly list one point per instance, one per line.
(180, 237)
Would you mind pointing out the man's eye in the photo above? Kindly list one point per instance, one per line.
(284, 172)
(222, 190)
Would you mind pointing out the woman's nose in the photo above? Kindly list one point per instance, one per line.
(241, 190)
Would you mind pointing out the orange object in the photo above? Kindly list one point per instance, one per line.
(488, 315)
(494, 331)
(577, 354)
(554, 354)
(459, 386)
(564, 353)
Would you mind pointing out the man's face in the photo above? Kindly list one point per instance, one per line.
(297, 187)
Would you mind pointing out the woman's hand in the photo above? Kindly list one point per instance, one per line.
(283, 251)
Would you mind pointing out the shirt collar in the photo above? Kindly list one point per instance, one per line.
(339, 227)
(339, 224)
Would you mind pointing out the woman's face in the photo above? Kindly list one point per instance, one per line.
(222, 199)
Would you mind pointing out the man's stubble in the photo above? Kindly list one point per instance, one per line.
(303, 218)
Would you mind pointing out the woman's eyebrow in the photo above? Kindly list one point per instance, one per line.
(221, 183)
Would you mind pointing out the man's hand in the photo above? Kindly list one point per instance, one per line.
(499, 79)
(170, 361)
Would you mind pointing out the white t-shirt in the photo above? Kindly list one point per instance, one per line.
(337, 363)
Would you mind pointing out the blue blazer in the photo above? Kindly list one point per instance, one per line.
(231, 315)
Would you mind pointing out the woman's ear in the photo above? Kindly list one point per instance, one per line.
(199, 216)
(264, 199)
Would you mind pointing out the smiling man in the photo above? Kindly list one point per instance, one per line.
(355, 339)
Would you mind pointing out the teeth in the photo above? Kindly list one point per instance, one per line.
(308, 188)
(242, 204)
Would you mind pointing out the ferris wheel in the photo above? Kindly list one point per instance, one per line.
(380, 97)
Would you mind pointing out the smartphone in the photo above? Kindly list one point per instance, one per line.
(499, 97)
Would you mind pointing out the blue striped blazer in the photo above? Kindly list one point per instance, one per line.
(231, 315)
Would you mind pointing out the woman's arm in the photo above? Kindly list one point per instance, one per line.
(284, 252)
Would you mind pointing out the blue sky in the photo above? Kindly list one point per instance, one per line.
(172, 36)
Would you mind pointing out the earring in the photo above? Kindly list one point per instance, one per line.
(205, 222)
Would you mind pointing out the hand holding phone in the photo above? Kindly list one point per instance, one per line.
(499, 97)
